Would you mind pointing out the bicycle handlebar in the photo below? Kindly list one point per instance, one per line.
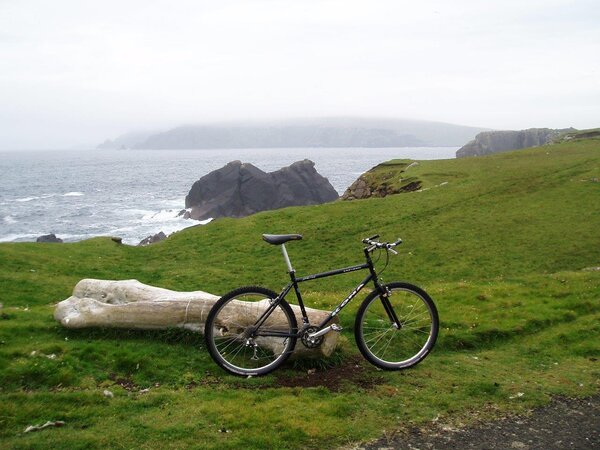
(373, 244)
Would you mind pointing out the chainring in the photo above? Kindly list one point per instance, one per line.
(311, 342)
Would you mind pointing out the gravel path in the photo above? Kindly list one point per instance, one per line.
(564, 424)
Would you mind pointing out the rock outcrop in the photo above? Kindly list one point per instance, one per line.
(502, 141)
(160, 236)
(49, 238)
(385, 179)
(240, 189)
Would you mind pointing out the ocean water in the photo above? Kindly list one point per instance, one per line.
(136, 193)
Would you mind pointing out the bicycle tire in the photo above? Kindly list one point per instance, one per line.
(237, 350)
(381, 342)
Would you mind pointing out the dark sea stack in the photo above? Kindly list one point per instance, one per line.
(49, 238)
(502, 141)
(240, 189)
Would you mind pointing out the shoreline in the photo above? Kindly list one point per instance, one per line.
(137, 193)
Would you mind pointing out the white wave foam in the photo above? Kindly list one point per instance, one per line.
(120, 230)
(9, 219)
(73, 194)
(173, 203)
(29, 199)
(171, 216)
(18, 237)
(163, 215)
(137, 212)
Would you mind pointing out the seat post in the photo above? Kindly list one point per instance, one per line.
(287, 259)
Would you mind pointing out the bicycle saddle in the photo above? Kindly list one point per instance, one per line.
(277, 239)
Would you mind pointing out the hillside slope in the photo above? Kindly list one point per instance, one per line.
(505, 214)
(506, 244)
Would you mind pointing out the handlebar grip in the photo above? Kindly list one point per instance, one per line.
(367, 240)
(398, 242)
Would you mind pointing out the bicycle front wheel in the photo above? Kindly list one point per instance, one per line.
(236, 343)
(387, 345)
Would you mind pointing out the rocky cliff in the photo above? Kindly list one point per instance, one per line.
(240, 189)
(501, 141)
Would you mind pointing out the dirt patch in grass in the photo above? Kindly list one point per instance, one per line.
(566, 423)
(351, 374)
(125, 383)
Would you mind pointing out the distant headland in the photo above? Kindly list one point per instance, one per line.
(301, 133)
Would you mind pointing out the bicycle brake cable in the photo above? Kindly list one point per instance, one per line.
(387, 261)
(378, 257)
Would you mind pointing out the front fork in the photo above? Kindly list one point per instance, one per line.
(384, 296)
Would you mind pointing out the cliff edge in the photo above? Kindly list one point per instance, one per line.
(502, 141)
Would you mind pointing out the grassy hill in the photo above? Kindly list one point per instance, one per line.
(507, 245)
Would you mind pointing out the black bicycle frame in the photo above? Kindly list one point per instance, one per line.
(372, 276)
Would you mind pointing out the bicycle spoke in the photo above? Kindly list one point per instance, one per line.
(417, 317)
(417, 330)
(240, 348)
(229, 341)
(225, 349)
(378, 330)
(385, 348)
(381, 337)
(374, 335)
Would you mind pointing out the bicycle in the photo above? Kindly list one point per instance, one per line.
(395, 328)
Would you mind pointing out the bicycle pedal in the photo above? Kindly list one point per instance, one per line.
(336, 327)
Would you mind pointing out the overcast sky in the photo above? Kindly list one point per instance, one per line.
(78, 72)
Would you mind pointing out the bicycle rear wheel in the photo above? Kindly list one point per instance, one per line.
(237, 345)
(390, 347)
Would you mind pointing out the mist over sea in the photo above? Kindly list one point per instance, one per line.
(136, 193)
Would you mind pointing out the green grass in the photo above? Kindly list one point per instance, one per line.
(593, 133)
(501, 242)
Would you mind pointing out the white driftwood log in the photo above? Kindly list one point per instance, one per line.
(131, 304)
